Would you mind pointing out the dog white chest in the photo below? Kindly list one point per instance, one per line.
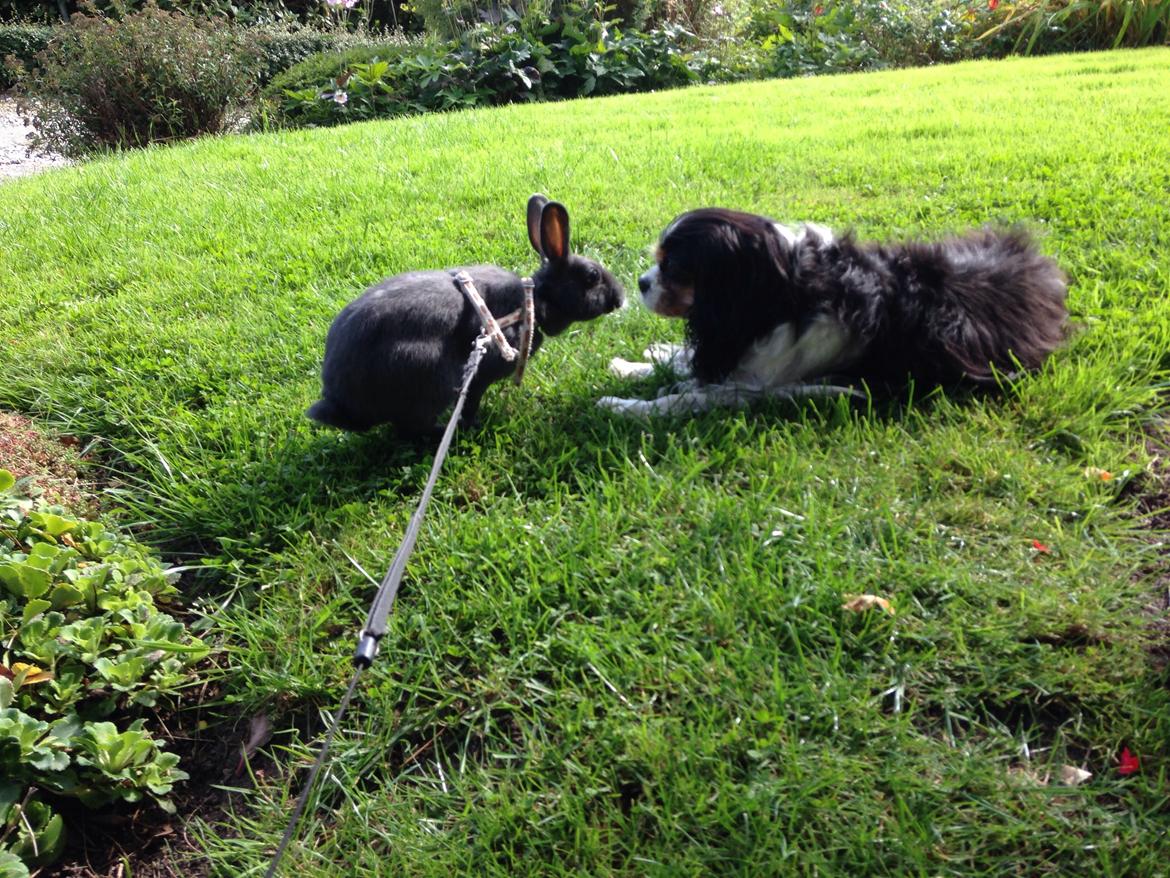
(781, 357)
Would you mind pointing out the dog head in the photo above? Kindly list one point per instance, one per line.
(730, 276)
(716, 252)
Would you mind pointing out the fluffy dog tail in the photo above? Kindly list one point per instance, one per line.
(1004, 307)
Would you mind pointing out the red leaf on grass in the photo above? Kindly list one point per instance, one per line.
(1130, 764)
(1040, 547)
(993, 5)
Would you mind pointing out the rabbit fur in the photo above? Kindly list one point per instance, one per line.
(396, 354)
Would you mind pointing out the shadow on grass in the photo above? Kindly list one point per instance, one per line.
(355, 467)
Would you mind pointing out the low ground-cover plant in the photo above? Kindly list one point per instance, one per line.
(151, 76)
(327, 66)
(84, 650)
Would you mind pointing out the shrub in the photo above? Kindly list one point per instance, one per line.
(49, 11)
(153, 76)
(486, 66)
(372, 13)
(20, 42)
(829, 36)
(1068, 25)
(448, 19)
(84, 643)
(586, 58)
(282, 48)
(329, 64)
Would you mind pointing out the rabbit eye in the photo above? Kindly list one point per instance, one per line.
(593, 275)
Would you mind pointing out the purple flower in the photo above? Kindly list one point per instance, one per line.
(338, 97)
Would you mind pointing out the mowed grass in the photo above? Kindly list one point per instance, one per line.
(620, 648)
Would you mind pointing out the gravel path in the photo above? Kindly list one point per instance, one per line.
(13, 160)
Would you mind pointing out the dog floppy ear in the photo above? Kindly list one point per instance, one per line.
(554, 231)
(535, 205)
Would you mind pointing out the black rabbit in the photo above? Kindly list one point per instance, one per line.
(396, 354)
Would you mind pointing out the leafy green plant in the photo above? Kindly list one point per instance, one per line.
(30, 833)
(449, 18)
(598, 59)
(83, 640)
(151, 76)
(1061, 25)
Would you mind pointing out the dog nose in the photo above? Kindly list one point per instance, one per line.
(644, 283)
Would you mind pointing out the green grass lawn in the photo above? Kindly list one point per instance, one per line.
(620, 648)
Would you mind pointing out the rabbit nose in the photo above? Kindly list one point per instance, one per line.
(644, 283)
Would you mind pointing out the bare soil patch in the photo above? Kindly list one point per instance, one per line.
(53, 464)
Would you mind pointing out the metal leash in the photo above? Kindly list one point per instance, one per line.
(375, 627)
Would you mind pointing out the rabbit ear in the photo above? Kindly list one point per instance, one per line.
(554, 231)
(535, 205)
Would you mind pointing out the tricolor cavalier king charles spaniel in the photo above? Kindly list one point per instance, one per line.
(775, 312)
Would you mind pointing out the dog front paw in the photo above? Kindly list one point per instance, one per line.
(626, 369)
(625, 407)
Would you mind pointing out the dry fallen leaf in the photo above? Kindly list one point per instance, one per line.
(1098, 474)
(859, 603)
(1072, 776)
(25, 674)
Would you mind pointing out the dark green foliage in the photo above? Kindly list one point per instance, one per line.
(374, 13)
(283, 48)
(153, 76)
(823, 36)
(486, 66)
(21, 42)
(811, 36)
